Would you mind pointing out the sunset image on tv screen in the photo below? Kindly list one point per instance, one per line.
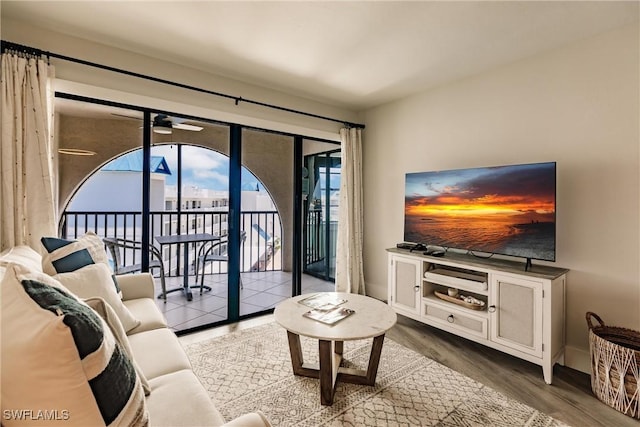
(506, 210)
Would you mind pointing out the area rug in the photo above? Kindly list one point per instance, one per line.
(251, 370)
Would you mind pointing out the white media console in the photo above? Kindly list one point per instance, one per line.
(521, 313)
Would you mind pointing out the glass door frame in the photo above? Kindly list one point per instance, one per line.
(327, 159)
(235, 196)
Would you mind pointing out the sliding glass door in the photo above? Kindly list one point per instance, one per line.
(192, 203)
(159, 178)
(321, 186)
(267, 219)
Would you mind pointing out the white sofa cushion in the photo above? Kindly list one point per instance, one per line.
(146, 310)
(97, 280)
(64, 255)
(158, 352)
(183, 390)
(59, 356)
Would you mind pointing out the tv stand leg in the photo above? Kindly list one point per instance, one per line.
(547, 372)
(527, 265)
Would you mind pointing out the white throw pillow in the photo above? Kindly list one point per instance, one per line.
(61, 365)
(64, 255)
(97, 280)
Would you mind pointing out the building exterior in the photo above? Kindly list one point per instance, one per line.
(119, 184)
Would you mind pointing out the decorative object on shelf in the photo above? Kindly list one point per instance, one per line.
(453, 292)
(469, 302)
(615, 366)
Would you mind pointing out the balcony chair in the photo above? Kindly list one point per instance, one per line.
(116, 245)
(214, 252)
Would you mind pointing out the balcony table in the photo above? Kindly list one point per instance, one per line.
(185, 239)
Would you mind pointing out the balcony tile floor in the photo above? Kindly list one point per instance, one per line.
(260, 291)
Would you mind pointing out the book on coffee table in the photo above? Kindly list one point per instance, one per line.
(323, 301)
(329, 317)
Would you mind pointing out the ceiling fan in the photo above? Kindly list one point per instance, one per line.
(164, 124)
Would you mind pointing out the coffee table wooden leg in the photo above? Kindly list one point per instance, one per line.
(368, 376)
(296, 351)
(327, 379)
(339, 345)
(297, 361)
(330, 355)
(374, 359)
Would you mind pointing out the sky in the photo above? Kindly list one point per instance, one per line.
(506, 190)
(202, 168)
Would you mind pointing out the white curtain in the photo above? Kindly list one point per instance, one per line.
(349, 269)
(27, 155)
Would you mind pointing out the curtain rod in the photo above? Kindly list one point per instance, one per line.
(10, 46)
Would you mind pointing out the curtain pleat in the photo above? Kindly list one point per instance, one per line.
(349, 260)
(27, 155)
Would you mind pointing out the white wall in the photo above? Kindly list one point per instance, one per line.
(109, 191)
(578, 106)
(110, 187)
(257, 201)
(157, 188)
(93, 82)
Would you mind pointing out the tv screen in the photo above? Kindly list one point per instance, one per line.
(507, 210)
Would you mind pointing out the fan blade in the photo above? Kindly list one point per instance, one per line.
(176, 123)
(185, 126)
(125, 116)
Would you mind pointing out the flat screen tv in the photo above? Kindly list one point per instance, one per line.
(507, 210)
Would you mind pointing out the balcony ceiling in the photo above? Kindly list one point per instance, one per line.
(353, 55)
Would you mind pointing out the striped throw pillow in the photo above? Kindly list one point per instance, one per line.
(105, 311)
(64, 255)
(60, 357)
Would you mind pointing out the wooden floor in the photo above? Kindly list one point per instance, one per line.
(568, 399)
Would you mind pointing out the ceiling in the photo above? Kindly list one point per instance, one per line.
(350, 54)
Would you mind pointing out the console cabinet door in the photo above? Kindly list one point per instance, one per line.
(516, 311)
(406, 276)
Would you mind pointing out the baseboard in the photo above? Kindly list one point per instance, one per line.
(577, 358)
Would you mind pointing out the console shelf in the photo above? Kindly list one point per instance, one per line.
(523, 313)
(473, 282)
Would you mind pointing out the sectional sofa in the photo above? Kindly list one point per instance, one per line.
(55, 372)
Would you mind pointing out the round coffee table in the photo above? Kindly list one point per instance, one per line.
(371, 319)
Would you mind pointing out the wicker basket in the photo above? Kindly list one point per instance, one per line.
(615, 366)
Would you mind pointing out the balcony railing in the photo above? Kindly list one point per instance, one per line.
(320, 240)
(259, 252)
(315, 238)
